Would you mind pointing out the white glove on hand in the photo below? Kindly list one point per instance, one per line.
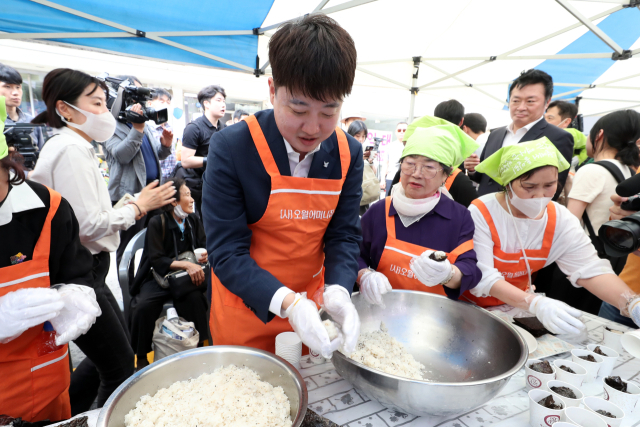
(556, 316)
(373, 285)
(305, 320)
(337, 302)
(634, 310)
(430, 272)
(78, 314)
(26, 308)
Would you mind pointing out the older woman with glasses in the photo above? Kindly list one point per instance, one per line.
(419, 238)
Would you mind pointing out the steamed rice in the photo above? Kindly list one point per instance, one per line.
(332, 329)
(230, 397)
(379, 350)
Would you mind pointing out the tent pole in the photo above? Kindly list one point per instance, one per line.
(414, 86)
(381, 77)
(590, 25)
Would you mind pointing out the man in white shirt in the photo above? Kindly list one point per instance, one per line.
(391, 157)
(529, 96)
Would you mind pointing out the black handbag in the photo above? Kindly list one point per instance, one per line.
(179, 282)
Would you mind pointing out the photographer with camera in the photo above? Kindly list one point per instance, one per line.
(133, 154)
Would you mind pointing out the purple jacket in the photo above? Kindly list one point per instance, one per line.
(446, 227)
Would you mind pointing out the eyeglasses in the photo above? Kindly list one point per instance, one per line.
(427, 171)
(401, 130)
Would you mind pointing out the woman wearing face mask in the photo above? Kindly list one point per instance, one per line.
(521, 230)
(401, 233)
(175, 231)
(77, 110)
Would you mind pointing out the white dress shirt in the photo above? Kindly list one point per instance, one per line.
(299, 169)
(392, 155)
(571, 248)
(68, 164)
(512, 138)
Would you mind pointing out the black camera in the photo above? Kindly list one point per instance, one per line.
(19, 137)
(123, 95)
(375, 146)
(620, 237)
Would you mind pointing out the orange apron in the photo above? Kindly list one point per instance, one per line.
(449, 182)
(512, 265)
(33, 387)
(394, 262)
(288, 242)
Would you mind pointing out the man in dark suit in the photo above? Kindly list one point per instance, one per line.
(529, 96)
(281, 200)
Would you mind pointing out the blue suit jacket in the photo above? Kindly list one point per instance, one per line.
(236, 191)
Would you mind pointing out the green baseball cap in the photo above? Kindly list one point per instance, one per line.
(4, 150)
(508, 163)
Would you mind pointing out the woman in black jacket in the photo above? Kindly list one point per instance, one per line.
(178, 226)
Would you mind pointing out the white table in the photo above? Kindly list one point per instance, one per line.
(337, 400)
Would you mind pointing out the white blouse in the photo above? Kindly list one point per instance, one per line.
(571, 248)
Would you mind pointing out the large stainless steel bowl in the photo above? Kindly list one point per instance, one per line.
(469, 354)
(192, 363)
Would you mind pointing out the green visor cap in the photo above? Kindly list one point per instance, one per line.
(579, 144)
(508, 163)
(4, 150)
(445, 143)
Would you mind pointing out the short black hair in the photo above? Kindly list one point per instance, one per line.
(159, 92)
(178, 182)
(532, 77)
(132, 79)
(10, 75)
(567, 110)
(356, 127)
(315, 57)
(451, 111)
(239, 113)
(206, 93)
(476, 122)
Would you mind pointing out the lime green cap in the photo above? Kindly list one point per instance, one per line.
(579, 144)
(508, 163)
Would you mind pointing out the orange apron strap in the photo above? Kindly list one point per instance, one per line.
(487, 217)
(43, 246)
(263, 147)
(391, 220)
(449, 182)
(464, 247)
(550, 230)
(345, 153)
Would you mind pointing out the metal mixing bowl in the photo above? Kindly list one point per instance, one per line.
(191, 364)
(469, 354)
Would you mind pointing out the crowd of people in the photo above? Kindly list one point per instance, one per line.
(291, 213)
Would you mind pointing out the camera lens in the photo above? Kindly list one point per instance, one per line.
(621, 239)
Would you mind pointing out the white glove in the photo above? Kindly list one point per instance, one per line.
(78, 314)
(373, 285)
(556, 316)
(337, 302)
(305, 320)
(634, 310)
(430, 272)
(26, 308)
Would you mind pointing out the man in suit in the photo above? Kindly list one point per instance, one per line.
(529, 96)
(281, 200)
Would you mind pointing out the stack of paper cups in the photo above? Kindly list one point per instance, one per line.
(289, 347)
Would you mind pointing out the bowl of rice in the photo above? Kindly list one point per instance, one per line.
(427, 355)
(210, 387)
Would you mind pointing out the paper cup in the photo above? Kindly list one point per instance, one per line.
(583, 418)
(199, 252)
(591, 367)
(540, 416)
(289, 347)
(316, 358)
(612, 340)
(535, 379)
(567, 401)
(609, 361)
(594, 404)
(564, 424)
(625, 401)
(631, 343)
(574, 379)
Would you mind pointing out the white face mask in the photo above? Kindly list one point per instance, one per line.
(177, 210)
(530, 207)
(98, 127)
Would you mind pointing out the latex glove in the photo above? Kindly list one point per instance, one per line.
(430, 272)
(373, 285)
(26, 308)
(337, 302)
(634, 310)
(556, 316)
(305, 321)
(78, 314)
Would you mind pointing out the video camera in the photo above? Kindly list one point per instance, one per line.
(375, 146)
(620, 237)
(123, 95)
(18, 136)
